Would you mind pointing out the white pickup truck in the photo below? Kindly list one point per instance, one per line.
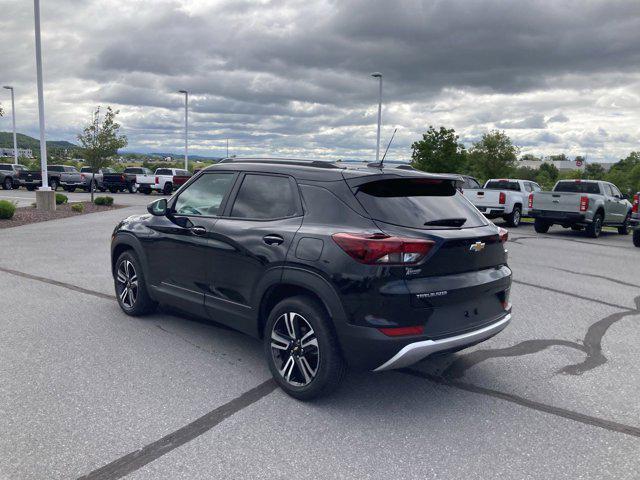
(507, 198)
(582, 204)
(164, 180)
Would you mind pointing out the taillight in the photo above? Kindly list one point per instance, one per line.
(636, 200)
(82, 176)
(402, 331)
(381, 249)
(584, 203)
(531, 200)
(122, 178)
(503, 198)
(503, 234)
(157, 180)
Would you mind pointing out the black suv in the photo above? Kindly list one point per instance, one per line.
(330, 265)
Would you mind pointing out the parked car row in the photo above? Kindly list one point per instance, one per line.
(131, 179)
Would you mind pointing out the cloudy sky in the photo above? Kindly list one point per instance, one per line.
(293, 77)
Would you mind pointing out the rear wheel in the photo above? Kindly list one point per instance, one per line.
(594, 229)
(132, 187)
(167, 189)
(624, 228)
(53, 184)
(113, 189)
(130, 285)
(513, 219)
(7, 184)
(541, 226)
(31, 188)
(576, 228)
(636, 237)
(302, 349)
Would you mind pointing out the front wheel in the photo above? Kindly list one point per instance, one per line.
(513, 219)
(624, 228)
(541, 226)
(636, 237)
(133, 188)
(7, 184)
(30, 188)
(167, 189)
(594, 229)
(54, 185)
(113, 189)
(302, 349)
(130, 285)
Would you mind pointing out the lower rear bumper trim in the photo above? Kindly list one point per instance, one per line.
(414, 352)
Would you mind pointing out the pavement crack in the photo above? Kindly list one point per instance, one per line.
(593, 275)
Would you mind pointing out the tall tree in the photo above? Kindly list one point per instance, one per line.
(594, 171)
(100, 141)
(493, 156)
(550, 170)
(439, 152)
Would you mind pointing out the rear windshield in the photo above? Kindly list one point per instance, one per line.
(5, 167)
(86, 170)
(502, 185)
(55, 168)
(134, 170)
(419, 203)
(164, 171)
(577, 187)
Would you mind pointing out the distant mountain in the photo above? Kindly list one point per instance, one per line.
(25, 141)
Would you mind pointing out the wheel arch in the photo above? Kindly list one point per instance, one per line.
(124, 242)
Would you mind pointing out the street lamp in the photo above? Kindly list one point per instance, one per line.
(186, 128)
(43, 143)
(378, 75)
(13, 116)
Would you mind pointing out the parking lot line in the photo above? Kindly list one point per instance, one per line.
(138, 459)
(542, 407)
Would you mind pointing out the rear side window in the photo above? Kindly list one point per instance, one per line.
(418, 203)
(265, 197)
(502, 185)
(470, 182)
(205, 195)
(577, 187)
(164, 171)
(5, 167)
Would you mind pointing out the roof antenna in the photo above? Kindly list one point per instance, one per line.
(380, 164)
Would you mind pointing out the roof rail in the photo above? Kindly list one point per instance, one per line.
(283, 161)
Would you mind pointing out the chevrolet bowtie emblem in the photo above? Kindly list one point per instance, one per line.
(476, 247)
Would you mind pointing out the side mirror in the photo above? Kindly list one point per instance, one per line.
(158, 208)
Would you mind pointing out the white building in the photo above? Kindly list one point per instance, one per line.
(22, 152)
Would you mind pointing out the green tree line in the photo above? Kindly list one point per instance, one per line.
(495, 156)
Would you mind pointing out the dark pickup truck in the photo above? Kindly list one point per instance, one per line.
(57, 175)
(126, 180)
(10, 175)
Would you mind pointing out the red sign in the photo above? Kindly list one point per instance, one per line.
(578, 163)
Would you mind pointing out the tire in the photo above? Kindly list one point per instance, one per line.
(132, 187)
(54, 185)
(168, 188)
(513, 219)
(71, 189)
(65, 189)
(30, 188)
(636, 237)
(594, 229)
(576, 228)
(130, 285)
(7, 184)
(624, 228)
(102, 189)
(309, 375)
(146, 191)
(541, 226)
(113, 189)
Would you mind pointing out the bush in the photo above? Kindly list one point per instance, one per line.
(78, 207)
(7, 209)
(60, 199)
(108, 201)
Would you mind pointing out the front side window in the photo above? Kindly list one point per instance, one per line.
(265, 197)
(5, 167)
(615, 191)
(204, 196)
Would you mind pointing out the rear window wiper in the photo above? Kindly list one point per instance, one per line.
(446, 222)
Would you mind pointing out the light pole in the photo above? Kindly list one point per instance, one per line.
(13, 118)
(45, 197)
(378, 76)
(186, 128)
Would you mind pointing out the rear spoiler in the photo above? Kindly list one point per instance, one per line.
(356, 182)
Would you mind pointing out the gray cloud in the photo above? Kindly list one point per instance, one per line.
(293, 76)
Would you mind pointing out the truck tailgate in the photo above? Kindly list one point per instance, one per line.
(483, 198)
(557, 201)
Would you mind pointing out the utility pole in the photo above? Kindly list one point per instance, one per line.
(13, 118)
(186, 129)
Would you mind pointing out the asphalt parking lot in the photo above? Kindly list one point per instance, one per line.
(87, 392)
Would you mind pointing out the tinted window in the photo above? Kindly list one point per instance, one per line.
(137, 171)
(615, 191)
(470, 183)
(70, 169)
(502, 185)
(419, 203)
(265, 196)
(204, 196)
(183, 172)
(55, 168)
(164, 171)
(86, 170)
(5, 167)
(536, 187)
(577, 187)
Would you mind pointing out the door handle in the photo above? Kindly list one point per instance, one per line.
(272, 239)
(198, 230)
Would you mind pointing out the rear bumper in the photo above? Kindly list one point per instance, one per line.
(560, 217)
(492, 211)
(414, 352)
